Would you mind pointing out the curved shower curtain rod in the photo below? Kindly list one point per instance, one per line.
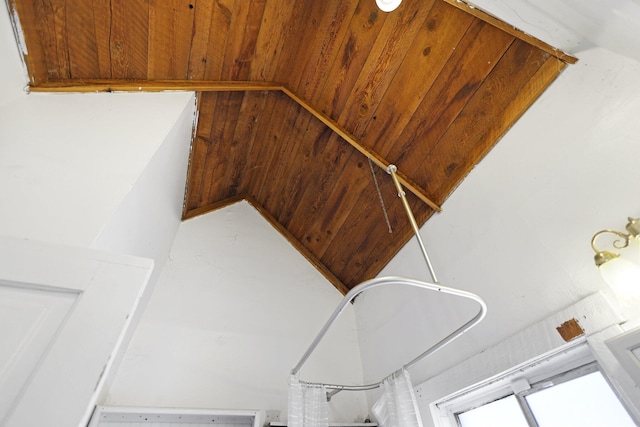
(383, 281)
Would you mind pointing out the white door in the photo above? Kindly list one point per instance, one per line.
(63, 315)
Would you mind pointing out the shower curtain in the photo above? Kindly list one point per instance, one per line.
(308, 406)
(397, 407)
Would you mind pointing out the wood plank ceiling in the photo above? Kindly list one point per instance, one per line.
(294, 95)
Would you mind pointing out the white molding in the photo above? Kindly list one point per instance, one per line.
(626, 348)
(284, 424)
(141, 415)
(615, 373)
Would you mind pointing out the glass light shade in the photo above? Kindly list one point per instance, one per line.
(623, 276)
(388, 5)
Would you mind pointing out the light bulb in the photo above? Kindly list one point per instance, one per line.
(388, 5)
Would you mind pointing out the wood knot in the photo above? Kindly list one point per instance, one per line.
(449, 170)
(373, 17)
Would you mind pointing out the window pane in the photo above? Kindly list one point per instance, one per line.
(505, 412)
(586, 401)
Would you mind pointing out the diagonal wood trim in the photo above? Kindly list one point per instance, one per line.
(487, 17)
(85, 85)
(377, 159)
(192, 213)
(279, 227)
(299, 247)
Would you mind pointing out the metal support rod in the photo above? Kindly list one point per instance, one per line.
(383, 281)
(391, 170)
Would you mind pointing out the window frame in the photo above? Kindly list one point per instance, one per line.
(551, 365)
(521, 396)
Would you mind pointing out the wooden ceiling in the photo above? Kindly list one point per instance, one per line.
(295, 97)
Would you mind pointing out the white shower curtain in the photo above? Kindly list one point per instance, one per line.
(397, 407)
(308, 406)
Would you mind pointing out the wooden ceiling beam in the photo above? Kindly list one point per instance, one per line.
(90, 85)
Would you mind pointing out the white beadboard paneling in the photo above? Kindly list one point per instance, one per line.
(594, 314)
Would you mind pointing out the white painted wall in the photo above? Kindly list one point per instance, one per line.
(517, 231)
(67, 162)
(147, 220)
(234, 310)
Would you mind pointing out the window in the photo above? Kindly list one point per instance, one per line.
(502, 412)
(580, 397)
(566, 381)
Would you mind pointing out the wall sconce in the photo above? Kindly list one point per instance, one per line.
(621, 274)
(388, 5)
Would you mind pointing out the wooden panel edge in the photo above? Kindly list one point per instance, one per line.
(31, 56)
(192, 213)
(496, 22)
(194, 132)
(332, 278)
(99, 85)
